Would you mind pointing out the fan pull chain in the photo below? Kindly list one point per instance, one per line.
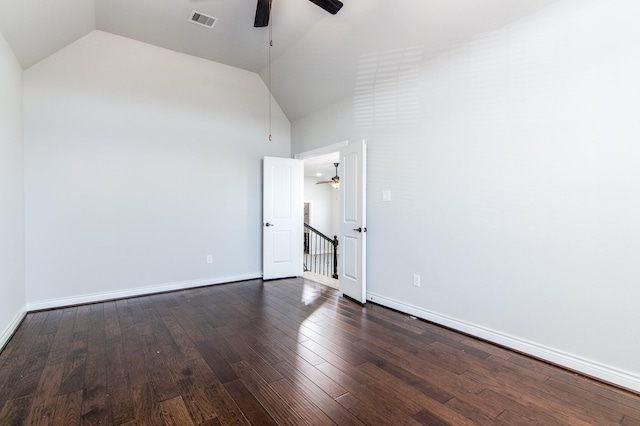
(270, 46)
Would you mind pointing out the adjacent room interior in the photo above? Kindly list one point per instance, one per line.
(502, 164)
(321, 204)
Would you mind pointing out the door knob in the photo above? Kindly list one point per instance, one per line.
(269, 224)
(357, 229)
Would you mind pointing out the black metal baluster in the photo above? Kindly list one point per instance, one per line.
(335, 257)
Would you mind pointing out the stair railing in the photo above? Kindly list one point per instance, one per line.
(320, 253)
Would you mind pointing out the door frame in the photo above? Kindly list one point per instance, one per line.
(321, 151)
(324, 150)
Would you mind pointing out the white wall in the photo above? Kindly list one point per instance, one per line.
(140, 162)
(514, 166)
(323, 198)
(12, 282)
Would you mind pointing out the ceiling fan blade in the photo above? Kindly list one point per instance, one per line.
(331, 6)
(323, 181)
(262, 13)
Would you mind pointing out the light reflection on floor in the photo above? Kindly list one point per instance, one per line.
(329, 282)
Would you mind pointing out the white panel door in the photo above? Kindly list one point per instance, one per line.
(282, 243)
(352, 279)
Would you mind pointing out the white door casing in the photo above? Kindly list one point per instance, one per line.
(353, 221)
(282, 243)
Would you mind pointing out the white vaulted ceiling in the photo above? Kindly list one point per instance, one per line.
(315, 58)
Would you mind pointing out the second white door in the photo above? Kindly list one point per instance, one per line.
(353, 222)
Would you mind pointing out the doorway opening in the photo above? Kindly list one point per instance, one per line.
(321, 226)
(307, 212)
(351, 218)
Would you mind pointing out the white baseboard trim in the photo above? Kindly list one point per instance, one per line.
(601, 371)
(139, 291)
(7, 333)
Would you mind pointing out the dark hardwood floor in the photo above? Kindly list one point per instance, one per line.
(282, 352)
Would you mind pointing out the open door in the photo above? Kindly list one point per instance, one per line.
(282, 242)
(353, 222)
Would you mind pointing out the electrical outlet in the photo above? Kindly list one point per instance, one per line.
(209, 258)
(416, 280)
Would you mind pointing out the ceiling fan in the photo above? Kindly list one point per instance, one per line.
(335, 181)
(263, 10)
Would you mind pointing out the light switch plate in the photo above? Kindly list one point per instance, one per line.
(386, 195)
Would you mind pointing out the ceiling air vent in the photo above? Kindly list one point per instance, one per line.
(202, 19)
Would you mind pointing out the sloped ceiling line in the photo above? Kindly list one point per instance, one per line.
(317, 56)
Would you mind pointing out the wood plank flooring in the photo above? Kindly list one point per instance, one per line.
(280, 352)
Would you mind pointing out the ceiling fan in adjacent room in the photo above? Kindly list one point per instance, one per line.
(263, 10)
(335, 181)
